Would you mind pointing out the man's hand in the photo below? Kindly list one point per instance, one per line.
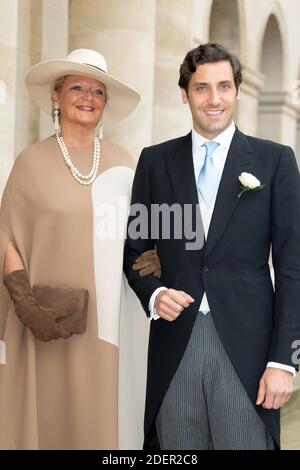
(275, 388)
(170, 303)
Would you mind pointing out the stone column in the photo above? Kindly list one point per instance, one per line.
(174, 37)
(246, 115)
(54, 44)
(30, 31)
(29, 40)
(277, 118)
(8, 77)
(124, 32)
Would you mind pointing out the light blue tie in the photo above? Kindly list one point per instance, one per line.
(208, 178)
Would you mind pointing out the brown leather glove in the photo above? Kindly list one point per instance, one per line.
(147, 263)
(41, 321)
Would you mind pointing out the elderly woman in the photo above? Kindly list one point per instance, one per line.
(62, 224)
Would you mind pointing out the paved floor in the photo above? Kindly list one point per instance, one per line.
(290, 420)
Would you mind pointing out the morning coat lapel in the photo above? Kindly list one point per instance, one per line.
(241, 157)
(180, 168)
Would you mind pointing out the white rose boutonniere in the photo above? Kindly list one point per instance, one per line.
(249, 183)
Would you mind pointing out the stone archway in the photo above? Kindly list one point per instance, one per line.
(271, 96)
(277, 114)
(224, 25)
(272, 56)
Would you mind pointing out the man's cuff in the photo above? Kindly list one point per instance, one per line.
(153, 313)
(278, 365)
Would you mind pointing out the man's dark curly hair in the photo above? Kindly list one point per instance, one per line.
(208, 53)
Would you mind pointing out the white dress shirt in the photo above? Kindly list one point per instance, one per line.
(219, 158)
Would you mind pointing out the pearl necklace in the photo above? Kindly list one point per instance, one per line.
(82, 179)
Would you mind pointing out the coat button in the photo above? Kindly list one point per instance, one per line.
(205, 269)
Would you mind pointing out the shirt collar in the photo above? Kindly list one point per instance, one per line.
(224, 139)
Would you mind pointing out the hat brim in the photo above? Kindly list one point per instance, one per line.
(40, 78)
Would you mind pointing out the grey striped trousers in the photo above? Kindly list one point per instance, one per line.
(206, 407)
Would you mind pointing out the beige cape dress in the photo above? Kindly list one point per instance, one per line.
(72, 394)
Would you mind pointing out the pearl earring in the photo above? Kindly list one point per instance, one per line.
(56, 113)
(100, 130)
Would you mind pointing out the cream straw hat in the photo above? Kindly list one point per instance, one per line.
(41, 77)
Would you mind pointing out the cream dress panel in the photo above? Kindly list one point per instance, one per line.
(121, 319)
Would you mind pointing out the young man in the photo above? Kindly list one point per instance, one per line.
(220, 362)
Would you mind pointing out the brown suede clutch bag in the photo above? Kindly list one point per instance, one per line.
(65, 297)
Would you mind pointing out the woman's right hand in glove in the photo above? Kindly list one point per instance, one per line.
(41, 321)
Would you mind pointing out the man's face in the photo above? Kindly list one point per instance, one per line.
(212, 98)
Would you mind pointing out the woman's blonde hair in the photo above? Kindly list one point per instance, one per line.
(57, 85)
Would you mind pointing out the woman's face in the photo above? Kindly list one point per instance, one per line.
(81, 100)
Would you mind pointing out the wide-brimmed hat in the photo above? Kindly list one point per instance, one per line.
(41, 77)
